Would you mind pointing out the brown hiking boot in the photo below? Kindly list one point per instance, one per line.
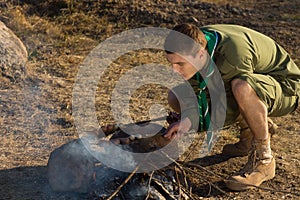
(243, 146)
(259, 168)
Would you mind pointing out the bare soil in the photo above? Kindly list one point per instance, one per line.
(36, 112)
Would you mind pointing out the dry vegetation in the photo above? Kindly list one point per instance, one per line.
(36, 112)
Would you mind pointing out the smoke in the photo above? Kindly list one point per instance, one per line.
(73, 167)
(107, 152)
(70, 168)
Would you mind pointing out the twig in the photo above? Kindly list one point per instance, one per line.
(191, 150)
(178, 183)
(194, 172)
(178, 165)
(209, 190)
(183, 178)
(203, 168)
(210, 183)
(124, 183)
(183, 189)
(188, 193)
(149, 185)
(162, 190)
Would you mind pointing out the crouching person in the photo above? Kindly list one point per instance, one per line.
(261, 81)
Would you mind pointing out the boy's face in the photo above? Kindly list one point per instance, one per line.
(181, 66)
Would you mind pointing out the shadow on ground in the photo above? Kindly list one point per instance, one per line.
(211, 160)
(17, 183)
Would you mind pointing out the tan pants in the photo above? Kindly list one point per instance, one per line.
(271, 94)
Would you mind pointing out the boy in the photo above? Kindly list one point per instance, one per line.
(260, 80)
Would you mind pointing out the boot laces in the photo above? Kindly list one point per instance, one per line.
(251, 163)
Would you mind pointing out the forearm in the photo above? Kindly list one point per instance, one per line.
(188, 103)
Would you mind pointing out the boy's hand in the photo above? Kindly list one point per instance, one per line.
(177, 129)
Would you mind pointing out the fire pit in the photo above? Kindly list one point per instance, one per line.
(72, 167)
(110, 184)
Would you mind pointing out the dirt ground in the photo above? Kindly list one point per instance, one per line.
(36, 112)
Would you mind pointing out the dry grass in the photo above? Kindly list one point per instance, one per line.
(36, 114)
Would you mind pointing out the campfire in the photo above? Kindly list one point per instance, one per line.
(112, 184)
(72, 167)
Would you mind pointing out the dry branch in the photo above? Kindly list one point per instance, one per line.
(210, 183)
(203, 168)
(178, 182)
(149, 185)
(199, 175)
(162, 190)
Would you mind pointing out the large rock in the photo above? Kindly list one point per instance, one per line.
(70, 168)
(13, 55)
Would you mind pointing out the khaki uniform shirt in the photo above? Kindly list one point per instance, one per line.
(245, 51)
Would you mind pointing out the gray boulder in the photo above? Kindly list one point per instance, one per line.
(13, 55)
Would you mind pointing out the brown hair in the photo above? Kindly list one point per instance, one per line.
(178, 42)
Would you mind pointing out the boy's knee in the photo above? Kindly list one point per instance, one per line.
(240, 88)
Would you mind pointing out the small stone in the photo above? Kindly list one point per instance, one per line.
(131, 137)
(139, 136)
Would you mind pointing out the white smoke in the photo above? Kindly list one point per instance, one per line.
(108, 152)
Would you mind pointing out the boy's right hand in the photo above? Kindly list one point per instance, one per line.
(177, 129)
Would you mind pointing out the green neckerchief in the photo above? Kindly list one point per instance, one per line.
(211, 38)
(204, 116)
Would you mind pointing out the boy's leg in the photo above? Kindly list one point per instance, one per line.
(244, 145)
(261, 164)
(259, 96)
